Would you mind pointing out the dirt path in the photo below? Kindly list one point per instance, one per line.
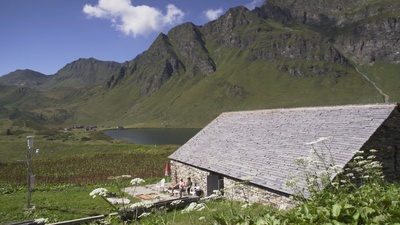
(385, 96)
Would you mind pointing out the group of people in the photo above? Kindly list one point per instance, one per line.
(182, 186)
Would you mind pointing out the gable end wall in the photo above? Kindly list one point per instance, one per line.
(386, 140)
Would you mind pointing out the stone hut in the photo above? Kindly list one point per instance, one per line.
(260, 147)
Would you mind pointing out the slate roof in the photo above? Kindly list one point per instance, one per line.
(262, 145)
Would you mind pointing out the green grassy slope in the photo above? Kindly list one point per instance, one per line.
(386, 76)
(243, 84)
(247, 88)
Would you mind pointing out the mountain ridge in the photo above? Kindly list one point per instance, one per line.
(282, 54)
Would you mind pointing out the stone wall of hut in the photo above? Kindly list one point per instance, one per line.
(233, 189)
(198, 176)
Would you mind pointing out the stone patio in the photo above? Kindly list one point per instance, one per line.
(149, 192)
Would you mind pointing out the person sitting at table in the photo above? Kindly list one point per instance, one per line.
(188, 185)
(180, 185)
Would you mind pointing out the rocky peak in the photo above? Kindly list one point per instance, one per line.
(364, 31)
(226, 29)
(151, 69)
(338, 13)
(190, 44)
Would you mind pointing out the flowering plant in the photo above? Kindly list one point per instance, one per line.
(104, 193)
(136, 181)
(41, 221)
(321, 171)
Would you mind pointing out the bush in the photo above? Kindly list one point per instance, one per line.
(85, 139)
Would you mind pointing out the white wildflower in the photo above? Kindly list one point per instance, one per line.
(137, 205)
(362, 162)
(176, 202)
(311, 180)
(246, 205)
(360, 152)
(358, 158)
(147, 204)
(350, 175)
(199, 206)
(292, 182)
(323, 173)
(337, 168)
(247, 178)
(358, 169)
(41, 221)
(373, 150)
(145, 214)
(283, 206)
(317, 141)
(126, 176)
(213, 196)
(304, 160)
(136, 181)
(202, 218)
(371, 157)
(190, 208)
(373, 165)
(335, 184)
(365, 177)
(99, 191)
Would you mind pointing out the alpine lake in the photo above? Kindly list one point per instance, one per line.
(154, 136)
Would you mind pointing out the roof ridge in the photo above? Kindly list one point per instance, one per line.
(394, 104)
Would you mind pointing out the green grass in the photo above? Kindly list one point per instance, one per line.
(386, 76)
(70, 164)
(67, 170)
(61, 203)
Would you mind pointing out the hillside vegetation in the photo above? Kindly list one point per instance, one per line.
(282, 54)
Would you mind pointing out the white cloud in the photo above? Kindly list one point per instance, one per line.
(134, 20)
(253, 4)
(212, 14)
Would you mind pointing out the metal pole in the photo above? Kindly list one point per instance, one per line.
(28, 161)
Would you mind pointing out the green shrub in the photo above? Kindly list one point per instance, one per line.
(86, 139)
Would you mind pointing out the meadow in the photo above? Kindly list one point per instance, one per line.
(68, 166)
(71, 164)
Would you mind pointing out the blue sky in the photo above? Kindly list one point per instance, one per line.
(45, 35)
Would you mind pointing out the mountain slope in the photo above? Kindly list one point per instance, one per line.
(27, 78)
(84, 73)
(258, 64)
(283, 54)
